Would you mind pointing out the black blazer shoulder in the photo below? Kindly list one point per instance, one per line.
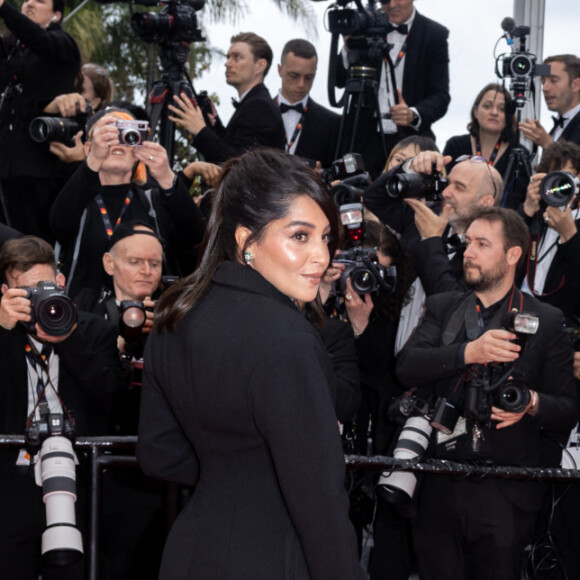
(319, 134)
(572, 131)
(257, 122)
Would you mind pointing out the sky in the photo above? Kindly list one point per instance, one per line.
(474, 29)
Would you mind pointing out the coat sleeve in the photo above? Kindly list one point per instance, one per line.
(294, 413)
(163, 450)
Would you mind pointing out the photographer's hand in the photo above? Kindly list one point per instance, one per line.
(401, 114)
(429, 224)
(149, 315)
(577, 365)
(187, 114)
(155, 157)
(69, 154)
(14, 307)
(69, 105)
(561, 221)
(507, 418)
(532, 202)
(492, 346)
(333, 273)
(105, 135)
(358, 309)
(535, 132)
(423, 162)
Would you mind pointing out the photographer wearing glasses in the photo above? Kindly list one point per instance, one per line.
(463, 525)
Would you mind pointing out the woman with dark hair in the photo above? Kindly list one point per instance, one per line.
(490, 129)
(238, 389)
(43, 64)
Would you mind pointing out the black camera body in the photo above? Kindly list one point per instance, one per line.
(523, 65)
(61, 129)
(177, 22)
(132, 133)
(558, 188)
(51, 309)
(365, 272)
(49, 425)
(416, 185)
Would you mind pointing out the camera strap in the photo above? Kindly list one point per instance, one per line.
(105, 214)
(533, 261)
(39, 362)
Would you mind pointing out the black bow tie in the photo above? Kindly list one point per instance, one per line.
(235, 103)
(402, 28)
(297, 107)
(558, 121)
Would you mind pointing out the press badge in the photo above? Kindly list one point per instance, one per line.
(23, 458)
(460, 429)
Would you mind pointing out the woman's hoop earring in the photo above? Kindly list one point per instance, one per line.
(248, 258)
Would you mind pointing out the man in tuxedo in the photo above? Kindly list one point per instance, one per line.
(466, 528)
(420, 57)
(256, 122)
(79, 370)
(311, 129)
(562, 95)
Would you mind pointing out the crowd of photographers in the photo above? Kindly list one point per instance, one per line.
(91, 204)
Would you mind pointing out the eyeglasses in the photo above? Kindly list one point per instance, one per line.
(479, 159)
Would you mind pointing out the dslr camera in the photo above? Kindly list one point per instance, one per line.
(132, 133)
(416, 185)
(499, 384)
(61, 129)
(52, 435)
(51, 309)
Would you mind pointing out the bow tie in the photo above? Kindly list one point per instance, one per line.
(558, 121)
(235, 103)
(297, 107)
(402, 28)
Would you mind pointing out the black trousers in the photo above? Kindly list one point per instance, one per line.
(474, 530)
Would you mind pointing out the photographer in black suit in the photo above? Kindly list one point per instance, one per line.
(311, 129)
(256, 121)
(468, 528)
(81, 370)
(420, 57)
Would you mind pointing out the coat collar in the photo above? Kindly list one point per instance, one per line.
(246, 279)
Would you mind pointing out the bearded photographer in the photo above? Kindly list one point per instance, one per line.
(468, 528)
(120, 182)
(80, 369)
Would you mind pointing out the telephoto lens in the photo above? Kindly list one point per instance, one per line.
(398, 486)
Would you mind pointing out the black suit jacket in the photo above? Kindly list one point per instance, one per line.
(256, 123)
(237, 402)
(430, 361)
(89, 375)
(318, 138)
(425, 87)
(572, 131)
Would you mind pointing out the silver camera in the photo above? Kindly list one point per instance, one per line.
(132, 133)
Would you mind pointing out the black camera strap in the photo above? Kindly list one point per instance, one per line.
(39, 361)
(533, 261)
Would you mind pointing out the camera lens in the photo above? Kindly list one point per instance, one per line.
(512, 396)
(362, 281)
(558, 188)
(521, 65)
(131, 137)
(56, 315)
(44, 129)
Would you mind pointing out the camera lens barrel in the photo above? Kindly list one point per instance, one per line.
(558, 188)
(61, 541)
(62, 129)
(398, 486)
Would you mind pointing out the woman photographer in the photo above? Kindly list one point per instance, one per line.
(44, 63)
(490, 129)
(238, 389)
